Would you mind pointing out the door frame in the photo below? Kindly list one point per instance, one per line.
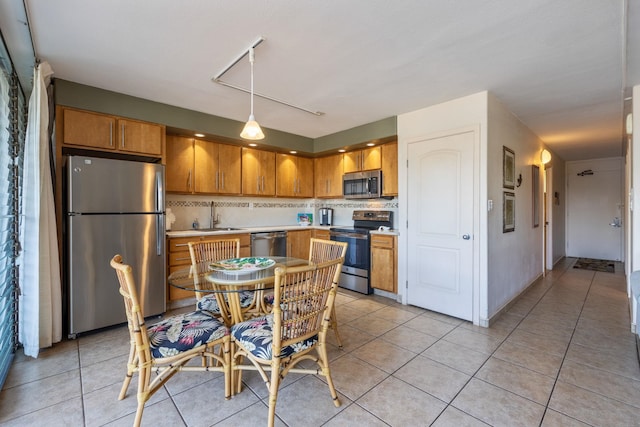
(479, 269)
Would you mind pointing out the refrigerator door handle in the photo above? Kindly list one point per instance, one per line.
(159, 192)
(159, 234)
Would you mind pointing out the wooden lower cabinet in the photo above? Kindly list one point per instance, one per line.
(384, 263)
(179, 258)
(298, 242)
(321, 234)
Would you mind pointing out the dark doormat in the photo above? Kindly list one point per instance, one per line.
(595, 265)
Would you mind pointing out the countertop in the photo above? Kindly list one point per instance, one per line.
(240, 230)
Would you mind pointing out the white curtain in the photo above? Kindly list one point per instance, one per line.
(40, 309)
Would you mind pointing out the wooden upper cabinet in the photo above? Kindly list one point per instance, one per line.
(294, 176)
(362, 160)
(390, 169)
(217, 168)
(328, 176)
(140, 137)
(202, 167)
(179, 170)
(105, 132)
(258, 172)
(89, 129)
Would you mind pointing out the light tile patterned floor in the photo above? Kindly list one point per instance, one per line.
(562, 355)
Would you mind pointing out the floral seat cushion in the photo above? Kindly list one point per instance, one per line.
(183, 332)
(256, 336)
(210, 303)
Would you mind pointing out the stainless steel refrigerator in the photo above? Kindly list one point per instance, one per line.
(113, 207)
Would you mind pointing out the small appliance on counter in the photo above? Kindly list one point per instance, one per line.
(326, 216)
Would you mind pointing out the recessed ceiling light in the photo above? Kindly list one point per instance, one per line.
(199, 135)
(342, 150)
(253, 144)
(371, 144)
(293, 152)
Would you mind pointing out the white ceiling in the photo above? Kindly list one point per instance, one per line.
(560, 66)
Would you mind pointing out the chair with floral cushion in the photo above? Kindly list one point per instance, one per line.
(297, 325)
(216, 250)
(167, 346)
(321, 250)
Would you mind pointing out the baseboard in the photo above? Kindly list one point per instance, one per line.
(492, 319)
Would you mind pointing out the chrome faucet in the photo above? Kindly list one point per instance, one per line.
(214, 220)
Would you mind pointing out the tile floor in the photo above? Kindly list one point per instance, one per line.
(562, 355)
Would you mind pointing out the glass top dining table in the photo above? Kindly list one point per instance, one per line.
(230, 286)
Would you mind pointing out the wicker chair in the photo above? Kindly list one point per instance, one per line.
(297, 325)
(216, 250)
(327, 250)
(153, 349)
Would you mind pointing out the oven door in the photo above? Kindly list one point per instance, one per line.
(355, 271)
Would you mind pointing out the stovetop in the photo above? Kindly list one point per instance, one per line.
(367, 220)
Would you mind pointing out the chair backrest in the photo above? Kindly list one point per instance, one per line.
(326, 250)
(214, 250)
(211, 250)
(135, 313)
(302, 296)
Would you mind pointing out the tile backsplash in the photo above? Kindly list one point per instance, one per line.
(255, 211)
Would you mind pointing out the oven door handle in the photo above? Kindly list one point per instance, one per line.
(348, 236)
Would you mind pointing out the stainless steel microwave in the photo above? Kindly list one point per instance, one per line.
(362, 185)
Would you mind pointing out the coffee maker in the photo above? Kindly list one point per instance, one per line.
(326, 216)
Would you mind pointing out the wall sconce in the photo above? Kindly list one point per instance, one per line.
(545, 156)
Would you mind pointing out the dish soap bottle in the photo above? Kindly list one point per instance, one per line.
(195, 224)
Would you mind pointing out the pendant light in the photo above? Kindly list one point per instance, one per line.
(252, 129)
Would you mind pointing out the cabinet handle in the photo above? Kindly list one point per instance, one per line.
(122, 135)
(189, 180)
(222, 173)
(217, 175)
(177, 245)
(110, 134)
(258, 184)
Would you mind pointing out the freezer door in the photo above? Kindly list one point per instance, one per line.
(96, 185)
(94, 299)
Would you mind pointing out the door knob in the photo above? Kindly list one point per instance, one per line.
(466, 237)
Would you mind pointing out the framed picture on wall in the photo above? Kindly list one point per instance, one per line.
(508, 168)
(508, 211)
(535, 185)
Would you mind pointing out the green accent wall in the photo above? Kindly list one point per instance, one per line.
(181, 120)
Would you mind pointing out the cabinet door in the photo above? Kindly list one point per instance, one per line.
(286, 175)
(328, 176)
(305, 177)
(298, 243)
(179, 173)
(251, 173)
(352, 161)
(206, 167)
(89, 129)
(230, 167)
(140, 137)
(371, 158)
(390, 169)
(383, 263)
(268, 168)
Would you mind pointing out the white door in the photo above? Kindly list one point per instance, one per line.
(594, 209)
(440, 224)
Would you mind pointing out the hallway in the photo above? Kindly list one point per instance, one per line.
(562, 355)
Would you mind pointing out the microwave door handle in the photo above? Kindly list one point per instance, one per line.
(367, 186)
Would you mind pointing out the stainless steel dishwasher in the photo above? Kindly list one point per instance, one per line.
(272, 243)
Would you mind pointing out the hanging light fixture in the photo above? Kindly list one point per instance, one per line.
(252, 129)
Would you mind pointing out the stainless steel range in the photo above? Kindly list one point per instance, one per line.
(355, 271)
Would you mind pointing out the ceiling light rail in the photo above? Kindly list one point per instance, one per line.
(217, 79)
